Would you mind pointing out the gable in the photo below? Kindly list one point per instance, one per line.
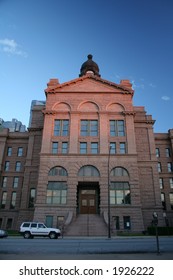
(89, 84)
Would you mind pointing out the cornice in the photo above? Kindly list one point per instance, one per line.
(32, 129)
(145, 121)
(129, 113)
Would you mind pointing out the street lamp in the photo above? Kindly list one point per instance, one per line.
(155, 222)
(109, 216)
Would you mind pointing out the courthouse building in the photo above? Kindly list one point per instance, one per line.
(86, 141)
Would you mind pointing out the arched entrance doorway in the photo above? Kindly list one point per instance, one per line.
(88, 192)
(88, 198)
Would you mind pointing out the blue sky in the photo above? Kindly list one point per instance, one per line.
(129, 39)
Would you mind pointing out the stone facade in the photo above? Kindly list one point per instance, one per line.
(86, 137)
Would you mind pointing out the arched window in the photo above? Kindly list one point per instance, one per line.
(88, 171)
(57, 190)
(119, 171)
(57, 171)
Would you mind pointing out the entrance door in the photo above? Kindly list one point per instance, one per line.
(88, 201)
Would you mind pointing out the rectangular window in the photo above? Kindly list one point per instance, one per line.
(57, 127)
(18, 166)
(94, 128)
(84, 128)
(94, 148)
(157, 152)
(4, 182)
(7, 166)
(3, 200)
(61, 127)
(32, 197)
(117, 128)
(171, 183)
(163, 201)
(171, 200)
(64, 147)
(112, 148)
(168, 152)
(49, 221)
(83, 148)
(116, 222)
(120, 193)
(161, 183)
(15, 182)
(89, 128)
(9, 151)
(170, 169)
(9, 223)
(20, 152)
(159, 167)
(13, 200)
(122, 148)
(56, 193)
(127, 223)
(54, 147)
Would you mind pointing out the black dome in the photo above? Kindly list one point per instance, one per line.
(89, 66)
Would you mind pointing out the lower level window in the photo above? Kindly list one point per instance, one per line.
(13, 200)
(171, 200)
(9, 223)
(49, 221)
(3, 200)
(127, 222)
(163, 201)
(32, 198)
(116, 222)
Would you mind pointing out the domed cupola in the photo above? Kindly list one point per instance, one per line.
(89, 67)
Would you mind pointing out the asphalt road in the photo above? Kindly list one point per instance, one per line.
(86, 248)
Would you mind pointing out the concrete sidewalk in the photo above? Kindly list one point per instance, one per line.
(124, 256)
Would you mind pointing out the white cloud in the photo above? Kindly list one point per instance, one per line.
(137, 85)
(166, 98)
(9, 46)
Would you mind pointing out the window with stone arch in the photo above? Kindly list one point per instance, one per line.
(88, 171)
(119, 172)
(57, 188)
(57, 171)
(119, 187)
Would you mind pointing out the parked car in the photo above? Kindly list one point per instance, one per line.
(31, 229)
(3, 233)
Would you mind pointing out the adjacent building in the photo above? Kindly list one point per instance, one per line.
(13, 125)
(87, 150)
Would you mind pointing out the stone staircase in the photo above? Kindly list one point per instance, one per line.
(87, 225)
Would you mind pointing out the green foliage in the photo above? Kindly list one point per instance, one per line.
(13, 232)
(161, 230)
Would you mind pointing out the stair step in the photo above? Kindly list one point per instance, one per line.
(87, 225)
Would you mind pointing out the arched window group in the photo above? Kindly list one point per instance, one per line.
(119, 184)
